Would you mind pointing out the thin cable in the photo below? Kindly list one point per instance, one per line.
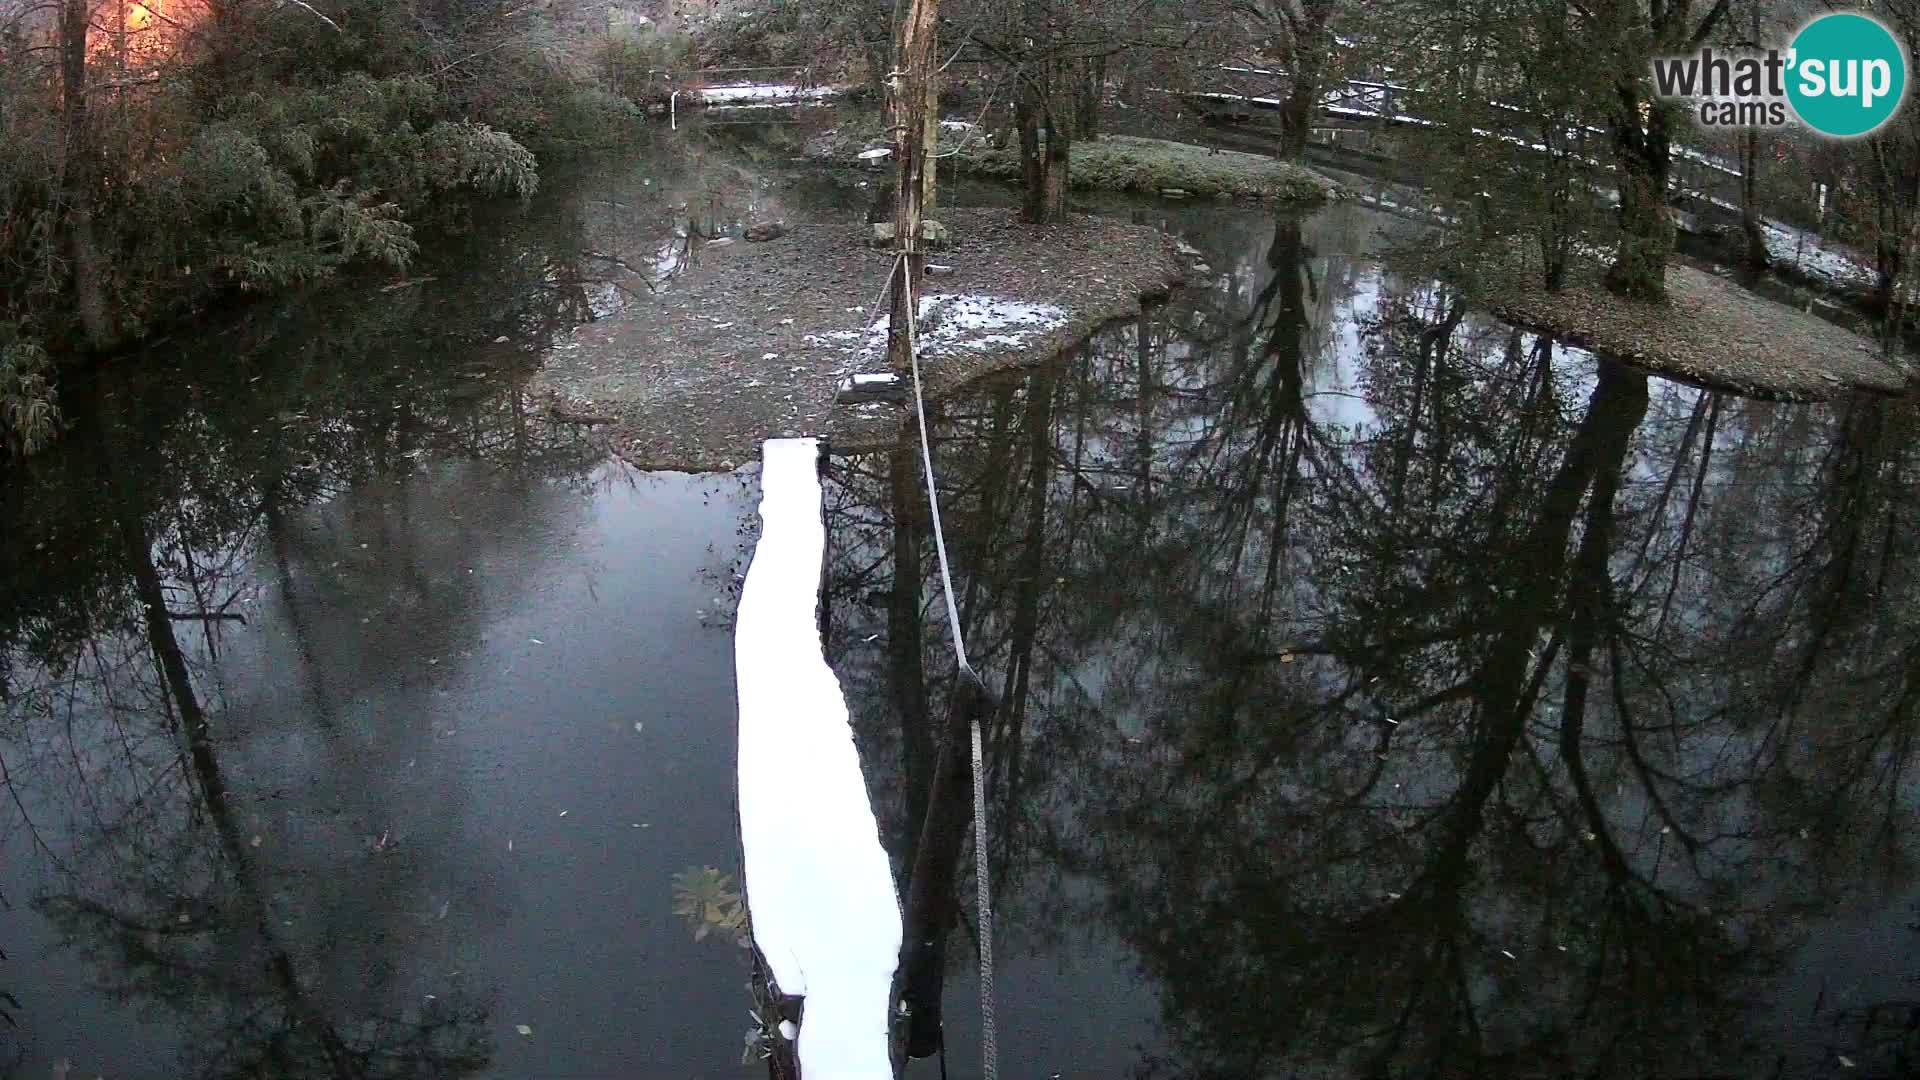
(989, 1042)
(905, 270)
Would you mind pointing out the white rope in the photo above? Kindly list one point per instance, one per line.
(989, 1044)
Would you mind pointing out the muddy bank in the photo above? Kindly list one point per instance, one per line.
(1712, 332)
(751, 339)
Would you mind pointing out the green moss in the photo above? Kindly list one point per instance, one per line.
(1148, 166)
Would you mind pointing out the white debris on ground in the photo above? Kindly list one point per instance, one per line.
(765, 93)
(953, 322)
(820, 891)
(1816, 258)
(1819, 259)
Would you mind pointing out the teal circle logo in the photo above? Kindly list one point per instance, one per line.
(1846, 75)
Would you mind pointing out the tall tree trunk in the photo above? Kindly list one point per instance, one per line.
(1639, 269)
(1751, 229)
(1296, 112)
(80, 175)
(930, 140)
(1307, 47)
(1059, 145)
(1750, 226)
(911, 96)
(1086, 106)
(1027, 111)
(1896, 188)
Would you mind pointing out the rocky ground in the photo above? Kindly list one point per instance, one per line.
(1711, 332)
(750, 340)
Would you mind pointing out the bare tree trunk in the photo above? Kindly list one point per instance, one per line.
(1639, 269)
(1033, 169)
(80, 174)
(1296, 113)
(1091, 86)
(1059, 145)
(1896, 188)
(930, 171)
(911, 96)
(1750, 227)
(1303, 28)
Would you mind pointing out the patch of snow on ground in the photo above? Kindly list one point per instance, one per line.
(1815, 258)
(820, 891)
(950, 322)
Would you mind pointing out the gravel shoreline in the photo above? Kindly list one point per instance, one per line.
(1712, 332)
(750, 341)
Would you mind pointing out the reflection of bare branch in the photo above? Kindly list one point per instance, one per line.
(1623, 713)
(1693, 507)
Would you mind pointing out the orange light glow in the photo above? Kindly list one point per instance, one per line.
(134, 32)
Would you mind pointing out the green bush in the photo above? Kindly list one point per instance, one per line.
(278, 150)
(28, 415)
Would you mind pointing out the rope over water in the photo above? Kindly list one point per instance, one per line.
(989, 1045)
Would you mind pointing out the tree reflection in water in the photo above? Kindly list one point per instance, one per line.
(191, 502)
(1410, 695)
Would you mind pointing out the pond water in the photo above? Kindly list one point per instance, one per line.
(1386, 691)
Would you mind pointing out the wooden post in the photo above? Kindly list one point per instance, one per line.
(910, 83)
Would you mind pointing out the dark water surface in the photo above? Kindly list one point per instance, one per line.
(1388, 693)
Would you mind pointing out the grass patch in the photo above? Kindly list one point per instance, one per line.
(1152, 166)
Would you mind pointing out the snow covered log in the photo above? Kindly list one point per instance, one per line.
(820, 891)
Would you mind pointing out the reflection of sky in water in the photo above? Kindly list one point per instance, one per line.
(473, 725)
(1140, 721)
(459, 647)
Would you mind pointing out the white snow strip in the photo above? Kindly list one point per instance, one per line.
(765, 93)
(820, 891)
(1708, 160)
